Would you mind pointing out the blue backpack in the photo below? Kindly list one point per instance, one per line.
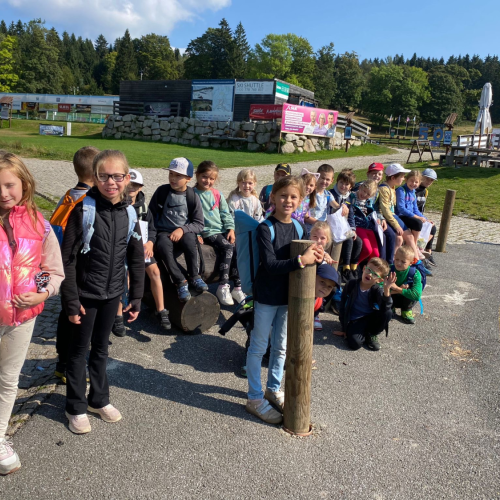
(418, 266)
(247, 249)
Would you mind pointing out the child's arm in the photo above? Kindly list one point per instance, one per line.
(310, 220)
(136, 268)
(415, 292)
(197, 219)
(258, 215)
(416, 212)
(153, 204)
(400, 203)
(148, 247)
(384, 204)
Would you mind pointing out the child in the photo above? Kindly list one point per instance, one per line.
(82, 163)
(138, 201)
(271, 298)
(429, 176)
(218, 232)
(327, 280)
(281, 170)
(309, 202)
(365, 307)
(244, 197)
(345, 183)
(28, 245)
(178, 218)
(405, 295)
(96, 243)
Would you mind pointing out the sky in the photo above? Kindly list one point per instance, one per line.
(372, 29)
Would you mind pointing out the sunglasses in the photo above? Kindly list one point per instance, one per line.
(373, 273)
(115, 177)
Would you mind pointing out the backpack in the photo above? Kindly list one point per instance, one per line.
(418, 266)
(59, 219)
(247, 249)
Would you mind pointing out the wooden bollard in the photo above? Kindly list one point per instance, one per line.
(444, 227)
(296, 414)
(335, 255)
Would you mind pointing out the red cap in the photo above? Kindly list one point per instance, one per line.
(374, 167)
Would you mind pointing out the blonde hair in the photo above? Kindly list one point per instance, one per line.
(407, 251)
(322, 225)
(306, 178)
(413, 173)
(244, 175)
(380, 265)
(289, 181)
(370, 185)
(9, 161)
(110, 154)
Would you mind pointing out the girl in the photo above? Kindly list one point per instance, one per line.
(309, 202)
(94, 283)
(271, 297)
(244, 197)
(27, 245)
(218, 232)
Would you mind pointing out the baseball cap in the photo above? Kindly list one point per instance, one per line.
(181, 166)
(328, 272)
(375, 167)
(428, 172)
(394, 169)
(283, 167)
(136, 177)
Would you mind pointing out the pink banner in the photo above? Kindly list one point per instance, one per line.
(265, 111)
(309, 121)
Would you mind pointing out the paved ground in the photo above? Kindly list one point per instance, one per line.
(417, 420)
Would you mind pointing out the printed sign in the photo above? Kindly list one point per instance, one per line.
(212, 100)
(348, 133)
(51, 130)
(447, 137)
(4, 113)
(29, 106)
(64, 108)
(254, 88)
(438, 134)
(282, 90)
(44, 106)
(423, 133)
(265, 111)
(102, 110)
(83, 108)
(310, 121)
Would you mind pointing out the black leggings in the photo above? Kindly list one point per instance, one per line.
(351, 250)
(402, 302)
(226, 254)
(412, 223)
(63, 340)
(433, 234)
(371, 324)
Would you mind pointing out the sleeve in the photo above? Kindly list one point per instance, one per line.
(400, 203)
(384, 204)
(153, 205)
(225, 214)
(350, 216)
(384, 303)
(262, 195)
(52, 263)
(416, 211)
(197, 218)
(135, 260)
(233, 205)
(415, 292)
(151, 227)
(268, 257)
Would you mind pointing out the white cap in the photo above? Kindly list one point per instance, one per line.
(182, 166)
(394, 169)
(136, 177)
(428, 172)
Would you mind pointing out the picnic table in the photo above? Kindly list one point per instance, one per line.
(471, 156)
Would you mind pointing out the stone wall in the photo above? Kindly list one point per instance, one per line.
(248, 136)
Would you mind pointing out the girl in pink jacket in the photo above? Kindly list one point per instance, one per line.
(31, 271)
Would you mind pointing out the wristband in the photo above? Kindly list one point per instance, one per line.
(299, 260)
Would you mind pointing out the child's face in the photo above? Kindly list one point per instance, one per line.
(371, 275)
(112, 188)
(206, 180)
(325, 179)
(310, 187)
(396, 180)
(279, 174)
(178, 182)
(401, 261)
(375, 175)
(426, 182)
(343, 187)
(320, 237)
(324, 287)
(286, 201)
(363, 194)
(134, 189)
(413, 183)
(11, 190)
(246, 187)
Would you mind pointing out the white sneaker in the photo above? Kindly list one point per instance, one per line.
(224, 295)
(317, 325)
(9, 461)
(238, 294)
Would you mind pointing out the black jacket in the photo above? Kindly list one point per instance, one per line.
(376, 298)
(100, 273)
(144, 214)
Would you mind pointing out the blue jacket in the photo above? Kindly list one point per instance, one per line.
(356, 217)
(406, 202)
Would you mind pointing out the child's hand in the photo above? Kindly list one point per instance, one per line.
(148, 249)
(76, 319)
(339, 333)
(29, 299)
(312, 255)
(200, 240)
(354, 236)
(133, 310)
(389, 281)
(399, 231)
(177, 234)
(231, 237)
(329, 260)
(384, 225)
(345, 211)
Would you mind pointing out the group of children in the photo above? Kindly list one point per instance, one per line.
(103, 239)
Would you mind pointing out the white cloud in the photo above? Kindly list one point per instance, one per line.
(89, 18)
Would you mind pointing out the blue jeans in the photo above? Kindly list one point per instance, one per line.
(265, 316)
(387, 250)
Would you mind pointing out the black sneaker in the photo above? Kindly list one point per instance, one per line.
(164, 319)
(354, 274)
(199, 285)
(118, 327)
(372, 343)
(431, 260)
(345, 275)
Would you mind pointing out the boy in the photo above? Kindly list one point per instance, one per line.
(281, 170)
(405, 293)
(178, 218)
(82, 164)
(138, 201)
(365, 307)
(429, 176)
(327, 280)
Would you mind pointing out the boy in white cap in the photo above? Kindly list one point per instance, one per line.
(178, 218)
(429, 176)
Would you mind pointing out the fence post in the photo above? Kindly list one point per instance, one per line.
(296, 413)
(444, 227)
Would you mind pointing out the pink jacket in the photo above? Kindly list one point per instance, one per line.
(35, 251)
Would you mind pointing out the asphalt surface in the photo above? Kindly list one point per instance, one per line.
(413, 421)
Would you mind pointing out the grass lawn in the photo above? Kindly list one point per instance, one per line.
(45, 206)
(23, 139)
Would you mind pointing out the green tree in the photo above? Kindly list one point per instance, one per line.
(3, 28)
(324, 76)
(350, 81)
(126, 64)
(101, 47)
(446, 97)
(156, 58)
(8, 78)
(241, 52)
(108, 67)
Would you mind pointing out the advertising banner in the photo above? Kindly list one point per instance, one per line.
(157, 108)
(282, 90)
(212, 100)
(29, 106)
(265, 111)
(64, 108)
(102, 110)
(254, 88)
(83, 108)
(51, 130)
(310, 121)
(44, 106)
(448, 135)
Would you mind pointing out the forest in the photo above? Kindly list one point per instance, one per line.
(37, 59)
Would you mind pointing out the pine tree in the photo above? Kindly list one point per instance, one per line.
(12, 29)
(241, 53)
(126, 63)
(3, 28)
(101, 47)
(20, 27)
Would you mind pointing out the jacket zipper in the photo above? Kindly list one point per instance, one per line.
(112, 250)
(12, 265)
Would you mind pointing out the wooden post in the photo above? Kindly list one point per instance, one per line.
(336, 249)
(444, 227)
(279, 144)
(296, 413)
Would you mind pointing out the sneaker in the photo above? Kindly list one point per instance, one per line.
(263, 410)
(224, 295)
(277, 399)
(244, 371)
(372, 343)
(108, 413)
(430, 259)
(238, 294)
(426, 253)
(317, 325)
(118, 327)
(345, 275)
(354, 274)
(199, 285)
(427, 271)
(79, 424)
(164, 319)
(60, 375)
(407, 317)
(9, 461)
(183, 292)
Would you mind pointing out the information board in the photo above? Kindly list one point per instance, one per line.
(212, 100)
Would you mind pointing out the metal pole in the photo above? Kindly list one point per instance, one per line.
(444, 227)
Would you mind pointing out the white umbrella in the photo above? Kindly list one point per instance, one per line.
(483, 122)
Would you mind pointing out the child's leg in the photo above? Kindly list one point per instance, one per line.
(224, 250)
(233, 270)
(389, 246)
(14, 343)
(278, 349)
(429, 243)
(63, 340)
(357, 247)
(355, 332)
(369, 241)
(189, 247)
(120, 309)
(156, 286)
(410, 241)
(345, 253)
(165, 249)
(400, 302)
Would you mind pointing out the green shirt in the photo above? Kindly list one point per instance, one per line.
(218, 220)
(413, 293)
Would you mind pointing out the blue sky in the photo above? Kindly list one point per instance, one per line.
(372, 29)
